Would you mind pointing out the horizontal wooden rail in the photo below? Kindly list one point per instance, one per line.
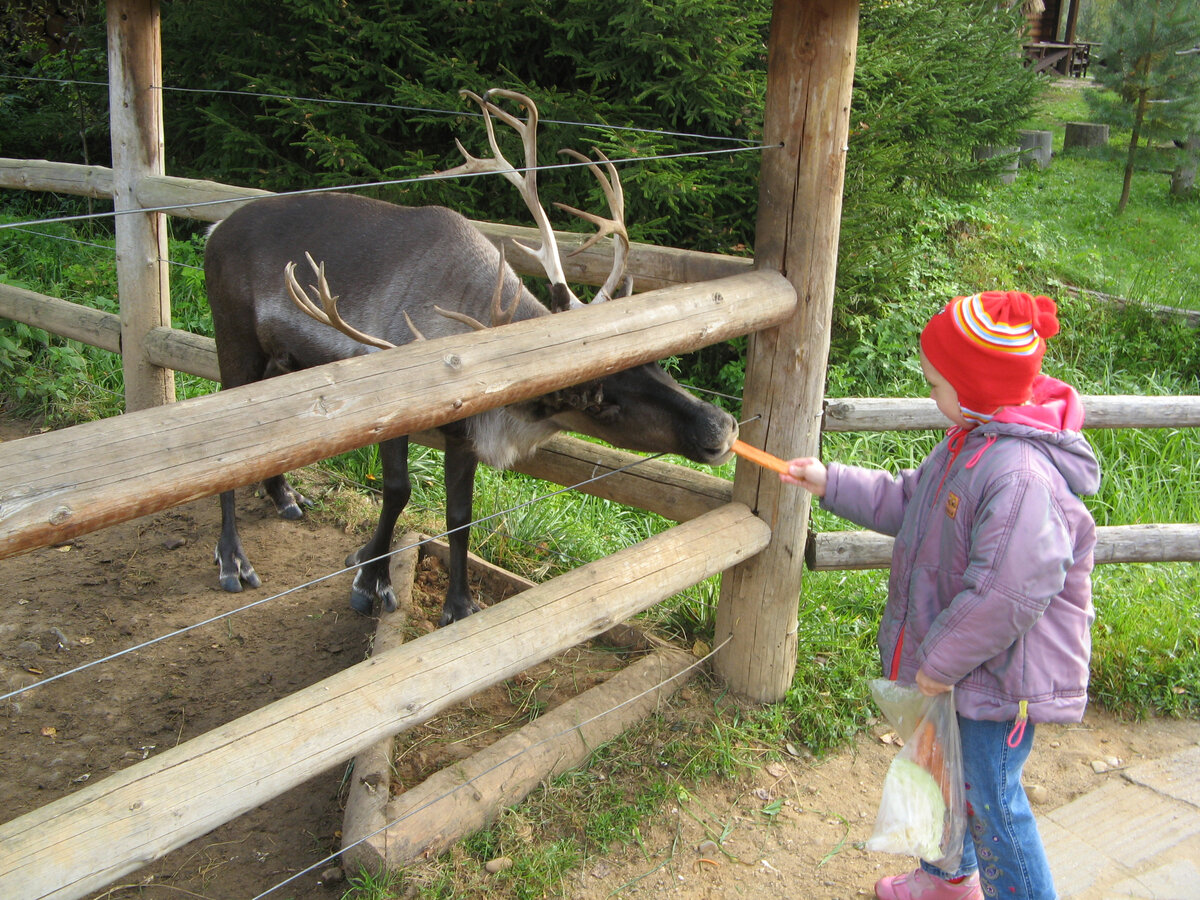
(58, 485)
(1102, 411)
(64, 318)
(59, 178)
(840, 550)
(657, 486)
(210, 201)
(86, 840)
(197, 355)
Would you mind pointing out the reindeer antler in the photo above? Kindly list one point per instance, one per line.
(327, 314)
(615, 225)
(500, 315)
(547, 254)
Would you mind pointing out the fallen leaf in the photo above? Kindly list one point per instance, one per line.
(49, 731)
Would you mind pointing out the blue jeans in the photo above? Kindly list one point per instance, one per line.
(1002, 839)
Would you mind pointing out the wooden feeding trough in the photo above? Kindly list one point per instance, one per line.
(591, 696)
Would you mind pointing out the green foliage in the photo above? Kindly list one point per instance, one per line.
(367, 90)
(1146, 645)
(919, 110)
(46, 376)
(1159, 86)
(394, 72)
(56, 42)
(1143, 58)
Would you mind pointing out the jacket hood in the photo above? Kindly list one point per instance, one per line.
(1054, 419)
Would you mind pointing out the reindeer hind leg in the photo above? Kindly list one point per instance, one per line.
(288, 501)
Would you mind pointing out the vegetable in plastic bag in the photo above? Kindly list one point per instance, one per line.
(922, 811)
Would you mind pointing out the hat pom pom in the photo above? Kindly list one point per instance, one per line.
(1045, 317)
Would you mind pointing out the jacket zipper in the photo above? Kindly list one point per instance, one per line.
(1018, 730)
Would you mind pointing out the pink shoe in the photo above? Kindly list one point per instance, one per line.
(920, 885)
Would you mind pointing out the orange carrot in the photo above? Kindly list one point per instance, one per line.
(922, 741)
(927, 752)
(761, 457)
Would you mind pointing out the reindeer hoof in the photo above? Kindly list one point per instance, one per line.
(361, 602)
(449, 615)
(295, 505)
(231, 583)
(235, 571)
(388, 599)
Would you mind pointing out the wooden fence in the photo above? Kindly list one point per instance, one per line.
(158, 454)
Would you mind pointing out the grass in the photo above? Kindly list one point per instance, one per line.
(1047, 229)
(1059, 225)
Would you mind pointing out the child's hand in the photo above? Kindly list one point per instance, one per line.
(930, 687)
(807, 472)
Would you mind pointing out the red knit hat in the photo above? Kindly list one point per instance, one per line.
(989, 346)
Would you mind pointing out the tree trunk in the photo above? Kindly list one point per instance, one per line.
(1138, 118)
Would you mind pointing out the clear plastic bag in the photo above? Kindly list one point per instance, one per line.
(922, 811)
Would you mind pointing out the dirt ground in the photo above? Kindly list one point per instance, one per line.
(789, 829)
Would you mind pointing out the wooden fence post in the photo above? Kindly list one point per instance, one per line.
(810, 72)
(136, 120)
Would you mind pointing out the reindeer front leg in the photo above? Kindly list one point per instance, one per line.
(235, 568)
(374, 580)
(461, 463)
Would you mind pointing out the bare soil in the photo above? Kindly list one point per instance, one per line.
(790, 828)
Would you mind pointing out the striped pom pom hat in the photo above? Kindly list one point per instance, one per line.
(989, 346)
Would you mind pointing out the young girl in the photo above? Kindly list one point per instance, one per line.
(990, 587)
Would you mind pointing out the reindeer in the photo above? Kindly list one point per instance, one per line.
(411, 273)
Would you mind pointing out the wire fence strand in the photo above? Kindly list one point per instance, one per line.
(373, 104)
(436, 176)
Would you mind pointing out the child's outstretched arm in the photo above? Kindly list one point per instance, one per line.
(808, 472)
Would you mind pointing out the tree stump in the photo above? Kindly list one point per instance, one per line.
(1183, 178)
(1008, 159)
(1085, 136)
(1035, 148)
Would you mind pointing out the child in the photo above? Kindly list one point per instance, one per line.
(990, 587)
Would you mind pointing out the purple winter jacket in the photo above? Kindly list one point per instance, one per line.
(990, 588)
